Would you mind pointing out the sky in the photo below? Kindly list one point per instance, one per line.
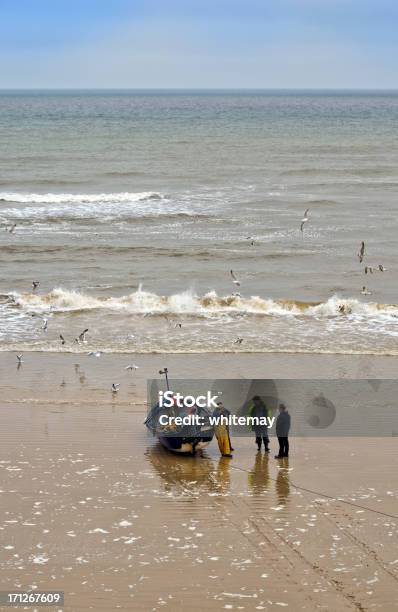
(199, 44)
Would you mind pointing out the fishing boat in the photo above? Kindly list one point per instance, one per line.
(182, 436)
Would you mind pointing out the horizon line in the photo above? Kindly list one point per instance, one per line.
(360, 89)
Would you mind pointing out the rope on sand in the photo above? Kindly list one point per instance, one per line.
(331, 497)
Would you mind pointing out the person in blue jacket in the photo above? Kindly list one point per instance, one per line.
(282, 431)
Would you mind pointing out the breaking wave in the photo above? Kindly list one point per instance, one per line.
(149, 206)
(188, 303)
(85, 198)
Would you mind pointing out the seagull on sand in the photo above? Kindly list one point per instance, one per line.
(45, 325)
(368, 269)
(361, 253)
(234, 279)
(115, 387)
(132, 367)
(365, 291)
(95, 353)
(304, 219)
(35, 285)
(382, 268)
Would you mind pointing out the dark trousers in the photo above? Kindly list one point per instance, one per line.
(283, 446)
(265, 440)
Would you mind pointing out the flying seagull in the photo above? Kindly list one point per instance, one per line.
(238, 341)
(82, 336)
(365, 291)
(62, 339)
(45, 325)
(132, 367)
(12, 228)
(20, 359)
(345, 309)
(95, 353)
(234, 279)
(115, 387)
(35, 285)
(361, 253)
(382, 268)
(304, 219)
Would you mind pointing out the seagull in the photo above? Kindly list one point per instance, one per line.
(234, 279)
(238, 341)
(12, 228)
(62, 339)
(45, 324)
(361, 253)
(35, 285)
(82, 336)
(251, 240)
(344, 309)
(115, 387)
(368, 269)
(365, 291)
(382, 268)
(236, 294)
(304, 219)
(178, 325)
(95, 353)
(20, 359)
(132, 367)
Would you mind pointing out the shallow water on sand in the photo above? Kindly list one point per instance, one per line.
(113, 191)
(93, 506)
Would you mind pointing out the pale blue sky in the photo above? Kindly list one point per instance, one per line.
(199, 43)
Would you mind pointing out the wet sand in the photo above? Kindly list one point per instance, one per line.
(90, 504)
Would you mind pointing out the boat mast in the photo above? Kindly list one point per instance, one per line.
(165, 372)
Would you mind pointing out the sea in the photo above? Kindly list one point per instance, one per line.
(131, 208)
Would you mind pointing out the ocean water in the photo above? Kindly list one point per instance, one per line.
(131, 208)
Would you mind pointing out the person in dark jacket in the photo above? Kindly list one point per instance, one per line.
(259, 409)
(282, 431)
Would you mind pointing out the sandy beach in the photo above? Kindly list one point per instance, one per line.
(93, 506)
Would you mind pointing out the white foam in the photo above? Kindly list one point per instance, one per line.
(78, 198)
(208, 305)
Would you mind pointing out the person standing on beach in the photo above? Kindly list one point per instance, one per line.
(282, 431)
(222, 431)
(259, 410)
